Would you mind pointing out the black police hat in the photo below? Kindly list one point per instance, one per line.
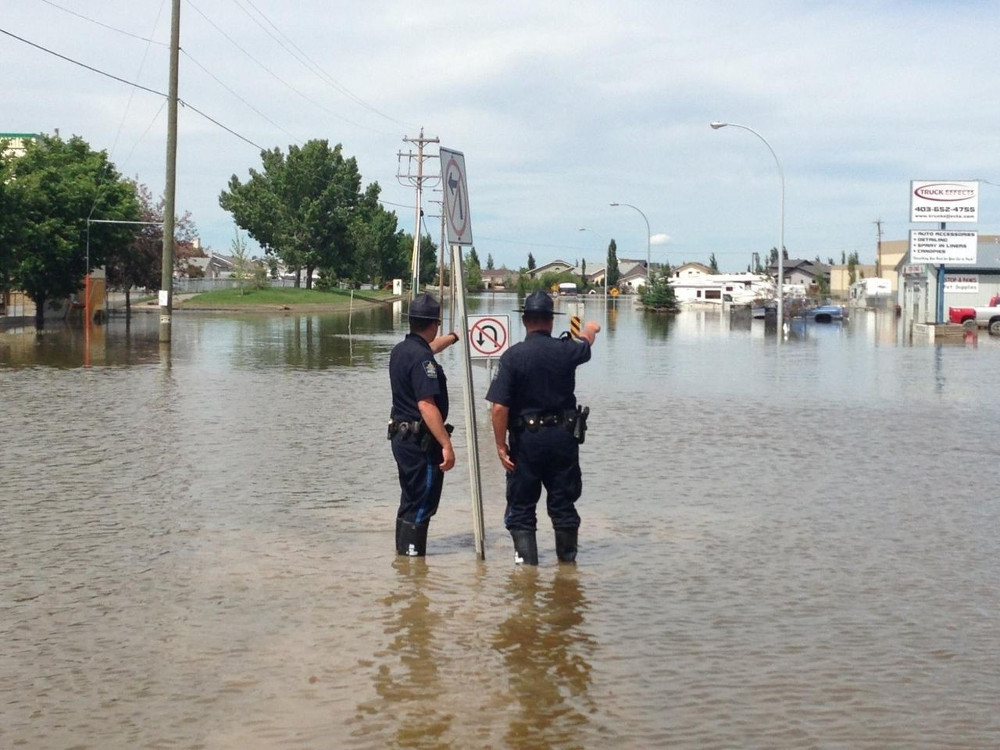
(425, 307)
(538, 303)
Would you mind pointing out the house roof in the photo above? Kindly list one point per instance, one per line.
(693, 267)
(550, 266)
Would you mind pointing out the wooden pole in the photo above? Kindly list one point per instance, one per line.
(170, 190)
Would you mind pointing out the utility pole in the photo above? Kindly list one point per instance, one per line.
(878, 251)
(417, 181)
(167, 267)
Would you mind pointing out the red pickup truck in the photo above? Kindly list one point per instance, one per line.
(981, 317)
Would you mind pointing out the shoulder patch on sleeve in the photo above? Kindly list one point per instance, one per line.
(430, 370)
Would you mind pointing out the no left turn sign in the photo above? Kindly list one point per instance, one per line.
(456, 197)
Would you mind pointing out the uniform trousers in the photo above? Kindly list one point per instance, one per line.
(420, 478)
(549, 457)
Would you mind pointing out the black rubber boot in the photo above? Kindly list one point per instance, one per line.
(566, 545)
(411, 538)
(400, 549)
(525, 547)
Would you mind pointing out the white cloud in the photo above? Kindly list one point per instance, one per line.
(559, 107)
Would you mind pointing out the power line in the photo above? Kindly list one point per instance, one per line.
(106, 26)
(248, 104)
(308, 62)
(188, 55)
(271, 72)
(135, 85)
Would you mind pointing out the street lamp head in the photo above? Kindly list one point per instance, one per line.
(716, 125)
(615, 204)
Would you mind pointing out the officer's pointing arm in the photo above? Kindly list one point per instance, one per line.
(590, 331)
(435, 424)
(441, 343)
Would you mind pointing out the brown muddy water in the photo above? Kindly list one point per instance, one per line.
(783, 546)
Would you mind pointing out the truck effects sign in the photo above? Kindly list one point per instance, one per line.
(944, 201)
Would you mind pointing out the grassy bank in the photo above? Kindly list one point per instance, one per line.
(280, 298)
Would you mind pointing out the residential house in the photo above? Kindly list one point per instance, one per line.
(555, 266)
(499, 278)
(808, 273)
(214, 266)
(691, 270)
(631, 275)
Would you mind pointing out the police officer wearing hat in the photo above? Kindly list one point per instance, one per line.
(538, 428)
(421, 441)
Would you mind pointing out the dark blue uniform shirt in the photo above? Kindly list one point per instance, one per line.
(539, 374)
(414, 375)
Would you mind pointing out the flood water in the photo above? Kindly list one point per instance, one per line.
(785, 545)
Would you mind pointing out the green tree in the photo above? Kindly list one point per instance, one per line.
(489, 261)
(659, 296)
(713, 264)
(531, 262)
(140, 263)
(374, 233)
(852, 267)
(300, 206)
(614, 275)
(473, 272)
(242, 265)
(9, 226)
(54, 187)
(428, 256)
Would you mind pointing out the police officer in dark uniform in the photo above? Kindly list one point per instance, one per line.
(421, 441)
(538, 428)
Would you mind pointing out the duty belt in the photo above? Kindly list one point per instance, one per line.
(543, 419)
(404, 428)
(574, 419)
(416, 430)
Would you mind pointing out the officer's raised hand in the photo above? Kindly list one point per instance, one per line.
(590, 331)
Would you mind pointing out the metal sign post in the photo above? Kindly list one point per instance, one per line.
(475, 479)
(458, 223)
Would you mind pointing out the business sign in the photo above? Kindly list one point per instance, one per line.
(944, 201)
(456, 197)
(943, 247)
(913, 270)
(488, 335)
(961, 283)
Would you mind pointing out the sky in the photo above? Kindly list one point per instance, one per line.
(559, 107)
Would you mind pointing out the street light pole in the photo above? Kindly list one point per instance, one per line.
(781, 226)
(648, 263)
(585, 229)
